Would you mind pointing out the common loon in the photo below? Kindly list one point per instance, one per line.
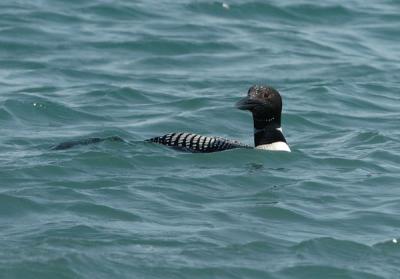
(264, 102)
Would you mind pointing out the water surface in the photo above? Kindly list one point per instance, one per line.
(137, 69)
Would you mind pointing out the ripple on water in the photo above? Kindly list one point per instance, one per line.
(12, 206)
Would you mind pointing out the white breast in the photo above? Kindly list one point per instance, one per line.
(275, 146)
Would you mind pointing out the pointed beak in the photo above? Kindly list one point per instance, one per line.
(247, 103)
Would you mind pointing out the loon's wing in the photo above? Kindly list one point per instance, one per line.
(196, 143)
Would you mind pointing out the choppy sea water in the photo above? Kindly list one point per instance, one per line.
(76, 69)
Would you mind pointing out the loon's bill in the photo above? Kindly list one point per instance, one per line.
(265, 103)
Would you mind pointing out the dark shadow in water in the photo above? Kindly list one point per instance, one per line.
(73, 143)
(257, 167)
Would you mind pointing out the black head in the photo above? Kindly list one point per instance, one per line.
(266, 105)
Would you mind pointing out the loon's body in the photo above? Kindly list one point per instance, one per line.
(196, 143)
(264, 102)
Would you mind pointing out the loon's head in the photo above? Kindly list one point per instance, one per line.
(265, 103)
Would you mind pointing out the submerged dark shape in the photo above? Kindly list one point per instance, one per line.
(265, 103)
(73, 143)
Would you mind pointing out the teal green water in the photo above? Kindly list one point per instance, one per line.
(136, 69)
